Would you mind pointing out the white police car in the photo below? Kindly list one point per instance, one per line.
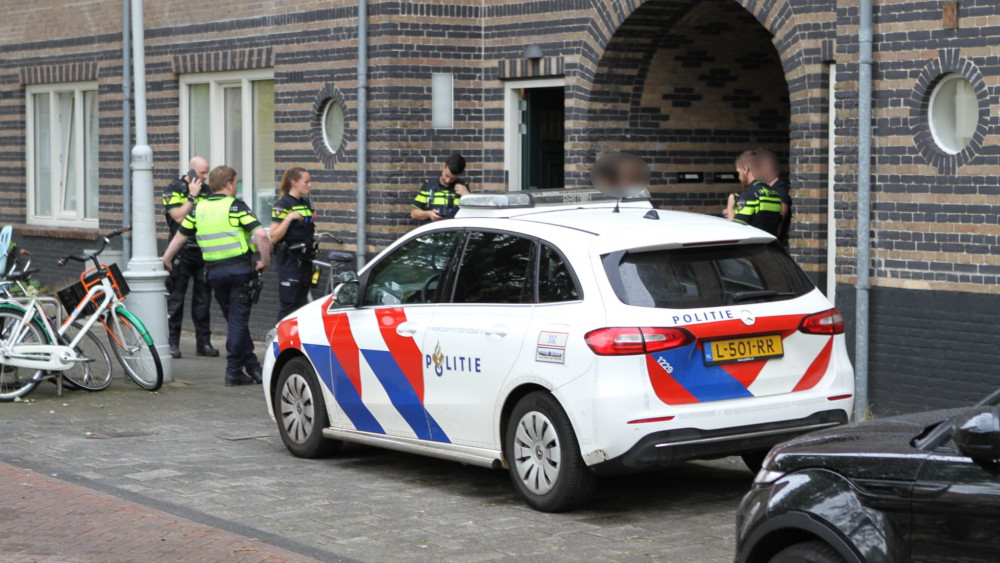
(563, 335)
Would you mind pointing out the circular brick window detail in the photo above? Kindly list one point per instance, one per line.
(949, 112)
(329, 125)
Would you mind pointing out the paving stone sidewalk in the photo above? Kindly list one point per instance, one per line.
(47, 519)
(211, 458)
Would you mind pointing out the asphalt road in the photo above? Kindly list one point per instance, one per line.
(208, 453)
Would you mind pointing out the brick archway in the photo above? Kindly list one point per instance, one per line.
(625, 46)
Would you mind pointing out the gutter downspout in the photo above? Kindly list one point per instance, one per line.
(864, 208)
(362, 196)
(126, 133)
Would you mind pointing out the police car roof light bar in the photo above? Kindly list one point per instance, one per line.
(541, 198)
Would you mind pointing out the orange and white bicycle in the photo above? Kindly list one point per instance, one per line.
(32, 349)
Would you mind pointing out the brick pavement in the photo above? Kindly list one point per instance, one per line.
(47, 519)
(210, 457)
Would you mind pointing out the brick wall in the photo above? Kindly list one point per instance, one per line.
(686, 84)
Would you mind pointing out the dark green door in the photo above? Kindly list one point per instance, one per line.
(542, 142)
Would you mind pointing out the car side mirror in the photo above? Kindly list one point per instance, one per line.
(977, 435)
(347, 277)
(346, 293)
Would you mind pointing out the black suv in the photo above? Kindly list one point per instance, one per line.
(920, 487)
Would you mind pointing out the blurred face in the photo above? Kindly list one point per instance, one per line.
(447, 178)
(302, 185)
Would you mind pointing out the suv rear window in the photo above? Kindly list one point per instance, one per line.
(711, 276)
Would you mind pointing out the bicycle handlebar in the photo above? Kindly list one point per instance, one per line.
(102, 242)
(335, 238)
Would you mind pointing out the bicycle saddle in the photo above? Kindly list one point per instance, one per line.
(340, 256)
(22, 275)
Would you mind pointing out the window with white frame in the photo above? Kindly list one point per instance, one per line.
(228, 118)
(62, 154)
(953, 113)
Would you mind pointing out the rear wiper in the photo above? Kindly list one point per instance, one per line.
(741, 296)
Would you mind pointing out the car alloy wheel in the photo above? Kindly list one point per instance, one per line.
(300, 410)
(543, 455)
(537, 453)
(297, 409)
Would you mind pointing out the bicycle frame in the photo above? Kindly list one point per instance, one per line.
(57, 357)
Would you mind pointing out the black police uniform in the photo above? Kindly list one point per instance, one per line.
(783, 192)
(294, 253)
(188, 266)
(760, 206)
(433, 195)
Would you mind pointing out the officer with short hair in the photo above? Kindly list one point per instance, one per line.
(223, 227)
(179, 199)
(438, 198)
(760, 204)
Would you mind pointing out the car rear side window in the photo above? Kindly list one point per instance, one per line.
(710, 276)
(555, 282)
(495, 268)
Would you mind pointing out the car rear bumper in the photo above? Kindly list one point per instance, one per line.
(670, 447)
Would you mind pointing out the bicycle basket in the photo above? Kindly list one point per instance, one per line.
(72, 295)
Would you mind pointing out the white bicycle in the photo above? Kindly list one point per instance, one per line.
(32, 349)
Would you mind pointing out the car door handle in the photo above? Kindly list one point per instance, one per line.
(496, 331)
(930, 490)
(407, 329)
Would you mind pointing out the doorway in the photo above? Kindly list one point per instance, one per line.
(534, 144)
(542, 157)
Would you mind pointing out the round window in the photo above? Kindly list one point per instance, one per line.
(333, 125)
(954, 113)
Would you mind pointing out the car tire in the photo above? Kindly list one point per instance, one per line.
(754, 460)
(543, 455)
(808, 552)
(300, 410)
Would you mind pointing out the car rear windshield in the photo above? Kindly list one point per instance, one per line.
(709, 276)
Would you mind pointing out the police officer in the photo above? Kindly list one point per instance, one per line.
(768, 171)
(760, 204)
(223, 227)
(438, 197)
(292, 234)
(179, 199)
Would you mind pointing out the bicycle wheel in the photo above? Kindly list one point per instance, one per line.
(93, 375)
(17, 381)
(137, 355)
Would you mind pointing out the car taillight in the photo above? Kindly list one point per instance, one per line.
(827, 322)
(624, 341)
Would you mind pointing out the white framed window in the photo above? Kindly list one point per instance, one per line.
(228, 118)
(953, 113)
(62, 154)
(442, 101)
(333, 125)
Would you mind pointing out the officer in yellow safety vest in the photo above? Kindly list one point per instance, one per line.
(223, 227)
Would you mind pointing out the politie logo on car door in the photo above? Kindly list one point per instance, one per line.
(452, 364)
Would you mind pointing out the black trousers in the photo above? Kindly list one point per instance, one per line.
(294, 281)
(187, 270)
(230, 285)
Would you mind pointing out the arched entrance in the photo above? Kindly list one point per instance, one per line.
(688, 85)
